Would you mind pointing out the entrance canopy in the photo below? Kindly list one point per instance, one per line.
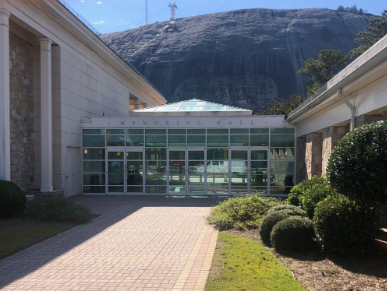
(193, 107)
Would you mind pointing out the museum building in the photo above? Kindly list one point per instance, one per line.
(75, 118)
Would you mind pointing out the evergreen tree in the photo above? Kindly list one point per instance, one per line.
(283, 106)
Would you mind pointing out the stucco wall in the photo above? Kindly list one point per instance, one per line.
(22, 111)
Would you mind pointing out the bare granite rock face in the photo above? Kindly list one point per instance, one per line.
(243, 58)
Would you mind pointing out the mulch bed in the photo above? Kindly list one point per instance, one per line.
(319, 271)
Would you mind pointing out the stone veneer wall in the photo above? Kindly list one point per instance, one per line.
(22, 112)
(331, 137)
(313, 153)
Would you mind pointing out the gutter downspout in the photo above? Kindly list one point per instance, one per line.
(349, 104)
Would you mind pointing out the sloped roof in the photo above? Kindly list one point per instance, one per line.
(194, 106)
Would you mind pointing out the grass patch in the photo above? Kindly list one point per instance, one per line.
(58, 209)
(243, 264)
(14, 238)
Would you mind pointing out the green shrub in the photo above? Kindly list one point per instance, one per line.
(271, 219)
(58, 209)
(12, 199)
(345, 226)
(293, 233)
(241, 212)
(358, 164)
(283, 207)
(299, 190)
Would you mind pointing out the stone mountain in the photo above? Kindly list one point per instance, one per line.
(243, 58)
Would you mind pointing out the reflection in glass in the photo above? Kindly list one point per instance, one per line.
(156, 154)
(135, 189)
(217, 140)
(93, 141)
(217, 167)
(239, 140)
(217, 154)
(116, 155)
(94, 179)
(155, 140)
(196, 140)
(134, 156)
(282, 130)
(115, 189)
(176, 140)
(239, 155)
(115, 140)
(259, 131)
(176, 155)
(93, 154)
(196, 155)
(156, 190)
(93, 189)
(93, 166)
(282, 141)
(115, 131)
(282, 167)
(93, 131)
(259, 140)
(134, 140)
(259, 155)
(177, 190)
(282, 153)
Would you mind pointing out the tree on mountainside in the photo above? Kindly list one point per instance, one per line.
(376, 29)
(283, 106)
(352, 9)
(320, 70)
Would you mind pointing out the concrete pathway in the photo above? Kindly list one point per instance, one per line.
(138, 243)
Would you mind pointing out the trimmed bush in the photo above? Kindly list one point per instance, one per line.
(58, 209)
(346, 227)
(271, 219)
(298, 191)
(358, 164)
(283, 207)
(241, 212)
(293, 233)
(12, 199)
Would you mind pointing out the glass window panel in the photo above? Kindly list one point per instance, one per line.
(134, 155)
(282, 130)
(282, 180)
(93, 154)
(93, 189)
(217, 189)
(196, 140)
(177, 155)
(239, 131)
(116, 178)
(259, 140)
(156, 167)
(134, 140)
(217, 154)
(239, 167)
(155, 189)
(259, 131)
(282, 153)
(190, 108)
(176, 140)
(134, 180)
(177, 190)
(196, 167)
(115, 189)
(282, 167)
(155, 131)
(93, 141)
(94, 179)
(134, 167)
(169, 108)
(176, 131)
(258, 180)
(93, 131)
(258, 189)
(93, 167)
(259, 168)
(176, 167)
(156, 179)
(115, 131)
(156, 154)
(115, 155)
(217, 166)
(239, 190)
(196, 189)
(196, 131)
(115, 166)
(188, 103)
(282, 141)
(259, 155)
(176, 179)
(215, 108)
(239, 140)
(217, 131)
(134, 131)
(279, 190)
(196, 155)
(217, 140)
(115, 140)
(239, 155)
(135, 189)
(155, 140)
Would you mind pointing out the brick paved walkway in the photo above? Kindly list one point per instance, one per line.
(138, 243)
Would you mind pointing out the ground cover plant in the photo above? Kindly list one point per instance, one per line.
(12, 199)
(58, 209)
(17, 237)
(243, 264)
(241, 212)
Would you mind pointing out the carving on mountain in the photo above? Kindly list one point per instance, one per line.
(243, 58)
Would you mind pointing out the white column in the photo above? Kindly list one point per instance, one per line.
(46, 114)
(5, 141)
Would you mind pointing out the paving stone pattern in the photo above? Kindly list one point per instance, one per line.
(138, 243)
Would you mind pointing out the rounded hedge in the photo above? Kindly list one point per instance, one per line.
(283, 207)
(271, 219)
(12, 199)
(358, 165)
(293, 233)
(298, 191)
(346, 227)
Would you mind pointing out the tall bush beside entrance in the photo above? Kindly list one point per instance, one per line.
(12, 199)
(357, 167)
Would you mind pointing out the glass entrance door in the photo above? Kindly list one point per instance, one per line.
(239, 172)
(177, 172)
(259, 171)
(196, 172)
(125, 172)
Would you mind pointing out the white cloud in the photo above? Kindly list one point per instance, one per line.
(99, 2)
(98, 22)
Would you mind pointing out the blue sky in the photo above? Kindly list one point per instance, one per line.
(116, 15)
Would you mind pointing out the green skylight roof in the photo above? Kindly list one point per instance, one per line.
(193, 105)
